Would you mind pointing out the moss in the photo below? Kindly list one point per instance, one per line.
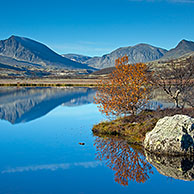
(132, 128)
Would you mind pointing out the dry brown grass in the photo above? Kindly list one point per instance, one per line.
(134, 127)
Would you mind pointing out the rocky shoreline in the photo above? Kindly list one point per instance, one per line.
(157, 133)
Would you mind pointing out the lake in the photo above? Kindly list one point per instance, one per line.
(47, 146)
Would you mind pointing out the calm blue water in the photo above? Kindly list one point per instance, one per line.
(40, 132)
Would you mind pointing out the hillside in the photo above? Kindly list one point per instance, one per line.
(76, 57)
(183, 47)
(27, 52)
(137, 53)
(26, 58)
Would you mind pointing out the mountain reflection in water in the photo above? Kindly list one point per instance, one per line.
(44, 156)
(129, 164)
(25, 104)
(20, 105)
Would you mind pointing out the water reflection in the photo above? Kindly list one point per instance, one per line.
(176, 167)
(129, 164)
(25, 104)
(19, 105)
(52, 167)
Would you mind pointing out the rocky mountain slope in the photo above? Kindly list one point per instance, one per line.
(184, 47)
(76, 57)
(137, 53)
(27, 52)
(32, 57)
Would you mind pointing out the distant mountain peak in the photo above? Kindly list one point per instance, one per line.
(35, 53)
(184, 40)
(16, 38)
(12, 37)
(182, 48)
(26, 41)
(76, 57)
(143, 44)
(185, 43)
(138, 53)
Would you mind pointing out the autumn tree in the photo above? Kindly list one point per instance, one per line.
(125, 90)
(176, 78)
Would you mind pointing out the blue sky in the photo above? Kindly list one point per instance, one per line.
(96, 27)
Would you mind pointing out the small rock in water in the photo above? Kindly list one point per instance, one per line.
(81, 143)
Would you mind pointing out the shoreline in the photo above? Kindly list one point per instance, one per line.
(133, 128)
(49, 82)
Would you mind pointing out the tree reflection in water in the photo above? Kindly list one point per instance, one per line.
(128, 163)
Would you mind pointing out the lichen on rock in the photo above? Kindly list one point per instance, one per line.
(172, 136)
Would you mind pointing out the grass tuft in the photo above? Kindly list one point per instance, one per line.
(133, 128)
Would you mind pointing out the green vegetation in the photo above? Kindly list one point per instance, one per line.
(134, 127)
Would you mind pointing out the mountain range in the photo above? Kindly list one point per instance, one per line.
(138, 53)
(18, 53)
(26, 52)
(20, 105)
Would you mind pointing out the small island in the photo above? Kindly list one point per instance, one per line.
(126, 93)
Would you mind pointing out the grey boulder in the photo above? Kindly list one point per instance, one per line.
(172, 136)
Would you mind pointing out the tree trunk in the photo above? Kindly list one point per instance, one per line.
(177, 103)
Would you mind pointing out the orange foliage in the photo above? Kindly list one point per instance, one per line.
(125, 90)
(126, 162)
